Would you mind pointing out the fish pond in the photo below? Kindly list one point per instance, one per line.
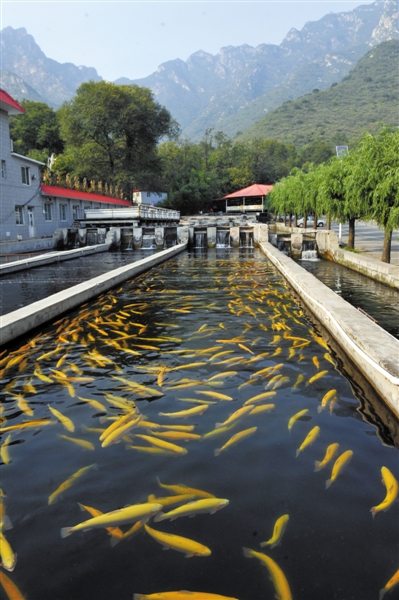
(204, 335)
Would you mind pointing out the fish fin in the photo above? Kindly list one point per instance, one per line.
(328, 483)
(217, 451)
(138, 596)
(165, 548)
(103, 420)
(319, 408)
(297, 453)
(218, 425)
(317, 464)
(189, 555)
(66, 531)
(373, 511)
(247, 552)
(6, 523)
(159, 517)
(115, 540)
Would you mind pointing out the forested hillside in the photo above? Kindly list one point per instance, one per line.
(345, 111)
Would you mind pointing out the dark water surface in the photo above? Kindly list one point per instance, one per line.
(178, 317)
(380, 301)
(24, 287)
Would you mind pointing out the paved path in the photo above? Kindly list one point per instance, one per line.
(369, 240)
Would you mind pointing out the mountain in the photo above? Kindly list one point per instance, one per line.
(365, 98)
(233, 89)
(53, 81)
(236, 87)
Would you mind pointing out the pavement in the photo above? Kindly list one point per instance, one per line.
(369, 240)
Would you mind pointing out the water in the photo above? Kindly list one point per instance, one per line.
(379, 301)
(24, 287)
(200, 239)
(183, 312)
(222, 238)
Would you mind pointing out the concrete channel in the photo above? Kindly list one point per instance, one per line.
(51, 257)
(24, 320)
(374, 351)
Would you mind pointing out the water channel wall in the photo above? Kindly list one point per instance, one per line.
(23, 320)
(51, 257)
(328, 248)
(374, 351)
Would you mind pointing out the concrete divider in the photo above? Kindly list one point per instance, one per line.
(23, 320)
(374, 351)
(51, 257)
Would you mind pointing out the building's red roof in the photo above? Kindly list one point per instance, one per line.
(257, 189)
(9, 105)
(52, 190)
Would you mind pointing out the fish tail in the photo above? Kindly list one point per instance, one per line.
(218, 425)
(115, 540)
(297, 453)
(317, 464)
(382, 593)
(263, 544)
(217, 451)
(6, 523)
(159, 517)
(138, 597)
(319, 408)
(66, 531)
(328, 483)
(373, 511)
(248, 553)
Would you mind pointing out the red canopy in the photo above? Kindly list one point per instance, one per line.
(9, 105)
(257, 189)
(52, 190)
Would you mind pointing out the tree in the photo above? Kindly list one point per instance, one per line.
(36, 131)
(374, 182)
(116, 128)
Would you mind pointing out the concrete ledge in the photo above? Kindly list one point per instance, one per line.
(374, 351)
(369, 266)
(25, 319)
(51, 257)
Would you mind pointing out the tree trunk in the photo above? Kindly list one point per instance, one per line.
(351, 233)
(305, 218)
(386, 251)
(289, 219)
(285, 219)
(315, 221)
(328, 223)
(295, 220)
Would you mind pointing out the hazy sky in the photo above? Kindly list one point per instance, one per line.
(132, 38)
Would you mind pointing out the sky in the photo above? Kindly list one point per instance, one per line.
(131, 38)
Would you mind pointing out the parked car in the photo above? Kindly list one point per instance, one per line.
(321, 222)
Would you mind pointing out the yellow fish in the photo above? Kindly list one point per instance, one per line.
(310, 438)
(128, 514)
(259, 397)
(168, 500)
(176, 435)
(66, 421)
(69, 482)
(297, 416)
(115, 434)
(391, 584)
(94, 403)
(82, 443)
(261, 408)
(4, 453)
(278, 532)
(339, 464)
(205, 505)
(238, 414)
(277, 576)
(299, 380)
(182, 595)
(163, 444)
(176, 542)
(326, 398)
(316, 362)
(26, 424)
(114, 531)
(8, 557)
(318, 375)
(331, 451)
(13, 593)
(392, 491)
(215, 395)
(183, 414)
(237, 437)
(183, 489)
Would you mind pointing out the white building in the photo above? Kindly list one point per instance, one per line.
(30, 212)
(152, 198)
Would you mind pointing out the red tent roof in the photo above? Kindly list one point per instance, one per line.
(52, 190)
(9, 105)
(257, 189)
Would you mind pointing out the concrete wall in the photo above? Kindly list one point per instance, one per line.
(23, 320)
(374, 351)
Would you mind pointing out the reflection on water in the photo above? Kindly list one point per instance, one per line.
(23, 288)
(379, 301)
(221, 331)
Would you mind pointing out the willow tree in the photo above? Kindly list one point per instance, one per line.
(374, 182)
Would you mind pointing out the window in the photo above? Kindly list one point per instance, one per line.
(75, 211)
(48, 212)
(25, 175)
(19, 215)
(148, 194)
(63, 212)
(3, 169)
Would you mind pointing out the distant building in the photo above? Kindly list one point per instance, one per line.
(28, 209)
(152, 198)
(250, 199)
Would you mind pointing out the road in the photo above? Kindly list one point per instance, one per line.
(369, 240)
